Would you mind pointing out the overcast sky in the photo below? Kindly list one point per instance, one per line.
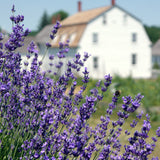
(148, 11)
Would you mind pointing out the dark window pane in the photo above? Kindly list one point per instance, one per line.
(95, 37)
(95, 62)
(134, 59)
(134, 37)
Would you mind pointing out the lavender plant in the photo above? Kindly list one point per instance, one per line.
(41, 119)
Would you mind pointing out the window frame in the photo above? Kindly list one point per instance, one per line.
(95, 62)
(134, 59)
(134, 37)
(125, 17)
(95, 37)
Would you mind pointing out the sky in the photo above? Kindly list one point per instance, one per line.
(146, 10)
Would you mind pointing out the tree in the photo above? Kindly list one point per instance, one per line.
(156, 66)
(153, 33)
(33, 33)
(62, 14)
(43, 21)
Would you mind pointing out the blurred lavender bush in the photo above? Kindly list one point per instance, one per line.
(41, 120)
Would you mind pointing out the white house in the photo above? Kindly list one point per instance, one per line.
(116, 40)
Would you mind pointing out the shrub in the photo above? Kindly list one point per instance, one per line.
(41, 120)
(156, 66)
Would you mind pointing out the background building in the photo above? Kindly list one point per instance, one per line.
(116, 40)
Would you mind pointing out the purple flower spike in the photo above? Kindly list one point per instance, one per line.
(108, 80)
(32, 48)
(158, 132)
(1, 36)
(50, 114)
(51, 57)
(13, 9)
(48, 45)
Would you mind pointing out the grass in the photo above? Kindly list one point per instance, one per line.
(128, 86)
(149, 88)
(123, 138)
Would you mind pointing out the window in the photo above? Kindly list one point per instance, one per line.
(104, 19)
(134, 37)
(134, 59)
(72, 37)
(95, 62)
(54, 41)
(95, 37)
(63, 37)
(125, 19)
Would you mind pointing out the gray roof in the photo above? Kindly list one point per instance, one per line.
(74, 25)
(156, 48)
(43, 35)
(27, 41)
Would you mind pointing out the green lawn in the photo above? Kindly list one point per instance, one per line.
(128, 86)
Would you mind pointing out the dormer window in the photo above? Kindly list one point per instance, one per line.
(54, 41)
(125, 19)
(63, 37)
(95, 37)
(134, 37)
(72, 37)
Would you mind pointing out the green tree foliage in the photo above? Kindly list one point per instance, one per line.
(46, 19)
(62, 14)
(43, 21)
(156, 66)
(153, 33)
(33, 33)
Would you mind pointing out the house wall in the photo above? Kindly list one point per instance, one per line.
(114, 47)
(53, 51)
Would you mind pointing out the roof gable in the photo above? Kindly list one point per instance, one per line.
(84, 16)
(43, 35)
(128, 13)
(75, 25)
(72, 33)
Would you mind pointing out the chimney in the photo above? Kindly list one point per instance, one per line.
(79, 6)
(53, 19)
(113, 2)
(56, 18)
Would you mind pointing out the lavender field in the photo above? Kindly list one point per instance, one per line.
(49, 118)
